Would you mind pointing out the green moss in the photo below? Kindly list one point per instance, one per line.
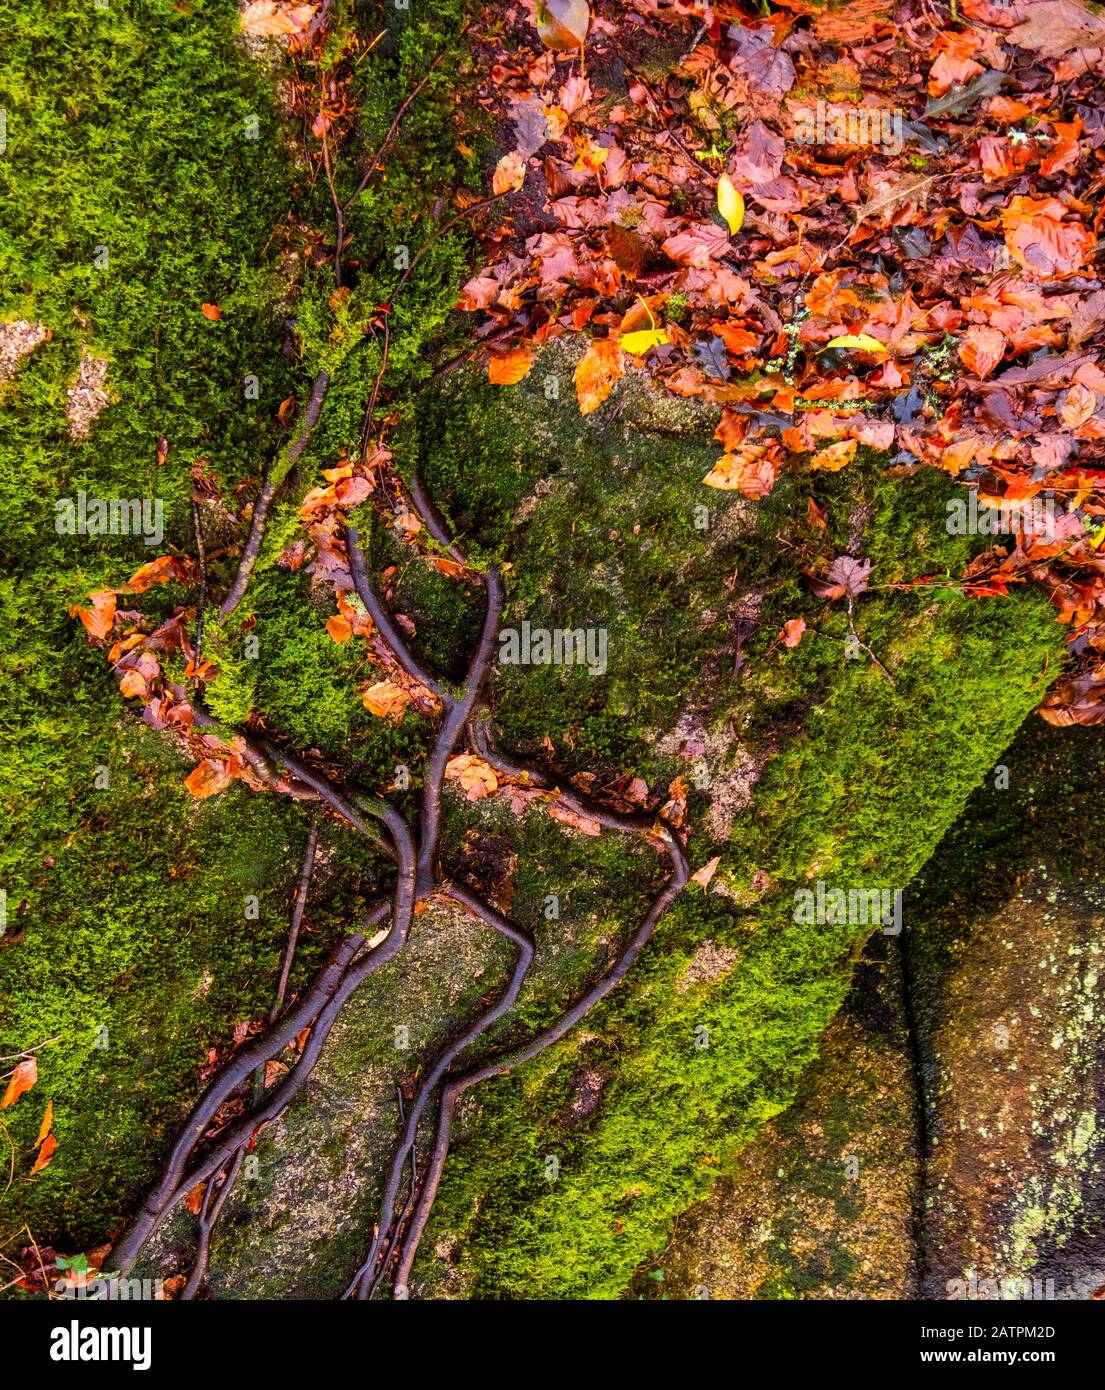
(857, 779)
(147, 165)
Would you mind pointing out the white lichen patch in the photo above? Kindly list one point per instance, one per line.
(17, 339)
(86, 399)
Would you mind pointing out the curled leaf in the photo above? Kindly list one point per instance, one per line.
(730, 203)
(703, 876)
(857, 342)
(47, 1123)
(22, 1079)
(45, 1154)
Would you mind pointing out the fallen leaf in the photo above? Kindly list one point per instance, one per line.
(1055, 27)
(510, 173)
(45, 1154)
(981, 349)
(386, 700)
(750, 470)
(97, 620)
(211, 311)
(208, 779)
(1039, 240)
(856, 342)
(562, 24)
(1078, 405)
(792, 632)
(475, 776)
(47, 1123)
(22, 1079)
(508, 368)
(705, 874)
(133, 685)
(584, 824)
(339, 627)
(730, 203)
(268, 19)
(835, 457)
(640, 342)
(850, 574)
(596, 372)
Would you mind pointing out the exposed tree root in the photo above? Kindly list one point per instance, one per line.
(208, 1152)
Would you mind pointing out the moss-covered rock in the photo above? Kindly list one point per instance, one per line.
(1007, 968)
(824, 1202)
(810, 765)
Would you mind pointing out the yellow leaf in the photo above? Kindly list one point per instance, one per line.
(835, 457)
(858, 342)
(642, 340)
(730, 204)
(510, 173)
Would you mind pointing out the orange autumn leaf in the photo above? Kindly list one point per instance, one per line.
(194, 1199)
(133, 685)
(792, 632)
(211, 311)
(386, 700)
(99, 618)
(835, 457)
(1040, 241)
(750, 470)
(596, 372)
(268, 19)
(22, 1079)
(476, 777)
(47, 1123)
(339, 627)
(981, 349)
(45, 1153)
(159, 571)
(584, 824)
(507, 368)
(208, 779)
